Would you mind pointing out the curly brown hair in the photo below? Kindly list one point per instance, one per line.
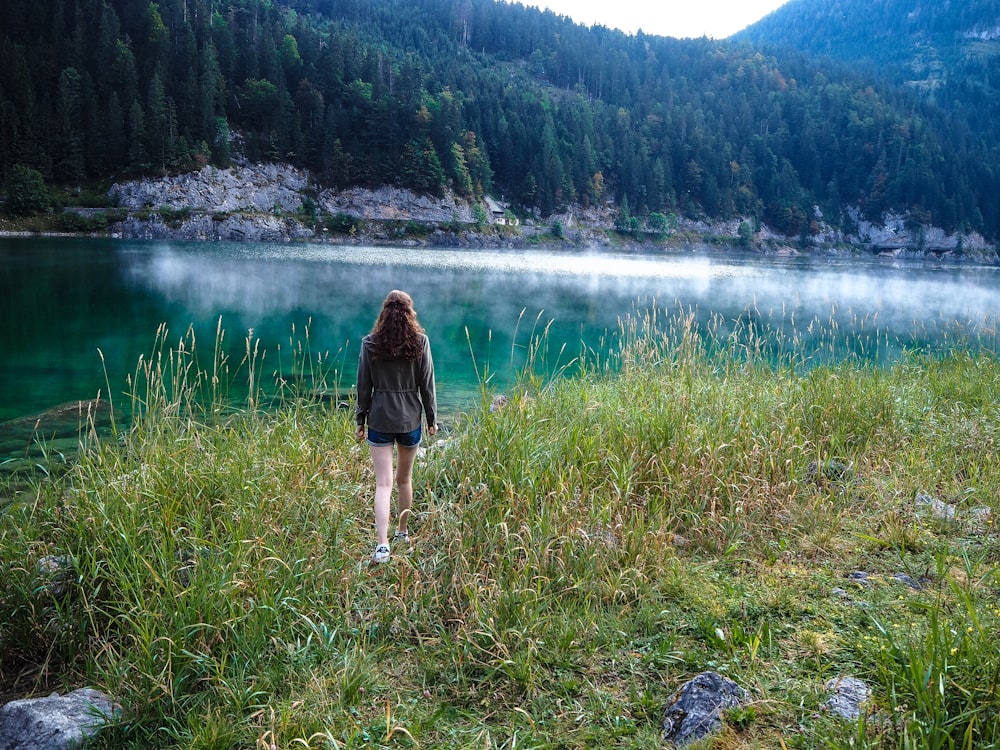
(397, 334)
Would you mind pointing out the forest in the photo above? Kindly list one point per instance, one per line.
(476, 97)
(946, 52)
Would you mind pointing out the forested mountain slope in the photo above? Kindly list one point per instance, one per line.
(475, 96)
(948, 51)
(913, 40)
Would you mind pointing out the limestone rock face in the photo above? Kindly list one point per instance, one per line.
(895, 235)
(260, 202)
(248, 188)
(254, 227)
(394, 203)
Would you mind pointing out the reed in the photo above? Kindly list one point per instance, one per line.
(690, 499)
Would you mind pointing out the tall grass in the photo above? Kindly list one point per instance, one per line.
(624, 522)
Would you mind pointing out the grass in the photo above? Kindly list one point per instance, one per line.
(689, 502)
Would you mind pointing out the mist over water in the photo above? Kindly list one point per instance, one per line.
(62, 300)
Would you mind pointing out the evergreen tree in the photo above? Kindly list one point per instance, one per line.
(68, 136)
(26, 192)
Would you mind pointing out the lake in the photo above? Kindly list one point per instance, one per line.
(65, 303)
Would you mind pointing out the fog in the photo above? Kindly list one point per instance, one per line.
(251, 284)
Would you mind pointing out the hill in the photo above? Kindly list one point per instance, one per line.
(947, 52)
(909, 40)
(477, 97)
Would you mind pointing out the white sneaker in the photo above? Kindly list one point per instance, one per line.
(381, 553)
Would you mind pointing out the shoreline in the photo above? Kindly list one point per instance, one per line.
(276, 202)
(580, 238)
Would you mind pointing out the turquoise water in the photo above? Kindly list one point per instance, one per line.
(78, 313)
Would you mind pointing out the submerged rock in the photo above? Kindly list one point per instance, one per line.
(47, 440)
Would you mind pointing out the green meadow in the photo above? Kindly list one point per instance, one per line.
(695, 499)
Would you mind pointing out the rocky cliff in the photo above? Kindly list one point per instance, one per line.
(250, 188)
(396, 204)
(273, 203)
(249, 202)
(267, 202)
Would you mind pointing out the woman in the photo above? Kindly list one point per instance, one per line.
(395, 383)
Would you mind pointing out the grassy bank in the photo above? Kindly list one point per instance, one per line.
(688, 504)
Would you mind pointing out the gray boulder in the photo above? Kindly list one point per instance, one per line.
(54, 575)
(831, 470)
(848, 694)
(938, 509)
(696, 709)
(53, 723)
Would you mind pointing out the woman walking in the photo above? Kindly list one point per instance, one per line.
(395, 384)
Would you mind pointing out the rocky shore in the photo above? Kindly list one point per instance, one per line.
(279, 203)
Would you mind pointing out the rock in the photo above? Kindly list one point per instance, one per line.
(848, 695)
(69, 419)
(498, 403)
(54, 574)
(396, 204)
(254, 202)
(249, 227)
(907, 580)
(258, 202)
(48, 440)
(274, 188)
(981, 516)
(696, 709)
(247, 188)
(939, 509)
(831, 470)
(897, 236)
(859, 577)
(191, 201)
(53, 723)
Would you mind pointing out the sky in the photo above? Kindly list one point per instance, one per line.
(678, 18)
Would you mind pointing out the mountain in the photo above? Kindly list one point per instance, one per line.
(911, 40)
(477, 97)
(947, 51)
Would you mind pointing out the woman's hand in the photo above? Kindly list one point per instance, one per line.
(432, 430)
(360, 432)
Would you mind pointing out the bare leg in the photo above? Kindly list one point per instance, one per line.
(404, 486)
(382, 458)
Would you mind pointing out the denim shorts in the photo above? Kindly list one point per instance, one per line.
(405, 439)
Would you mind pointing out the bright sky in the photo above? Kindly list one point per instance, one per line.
(678, 18)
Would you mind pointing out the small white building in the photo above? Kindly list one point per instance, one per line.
(498, 212)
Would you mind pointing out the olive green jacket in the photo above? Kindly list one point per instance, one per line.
(392, 392)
